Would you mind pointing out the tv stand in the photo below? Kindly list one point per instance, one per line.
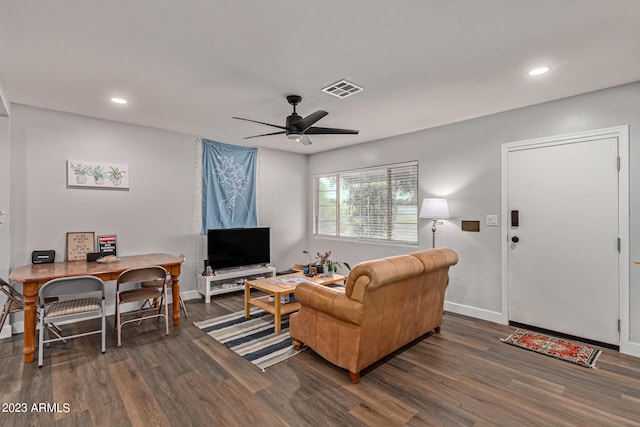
(228, 280)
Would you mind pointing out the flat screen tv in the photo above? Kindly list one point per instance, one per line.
(236, 247)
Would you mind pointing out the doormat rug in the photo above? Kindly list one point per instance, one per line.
(252, 338)
(562, 349)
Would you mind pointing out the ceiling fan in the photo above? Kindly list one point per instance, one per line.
(297, 128)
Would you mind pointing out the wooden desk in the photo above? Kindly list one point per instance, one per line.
(34, 276)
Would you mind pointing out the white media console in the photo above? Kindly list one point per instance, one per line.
(231, 280)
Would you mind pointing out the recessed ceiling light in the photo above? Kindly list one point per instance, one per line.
(538, 71)
(119, 100)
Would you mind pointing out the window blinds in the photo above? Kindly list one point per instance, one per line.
(378, 203)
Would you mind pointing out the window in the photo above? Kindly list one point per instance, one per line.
(379, 203)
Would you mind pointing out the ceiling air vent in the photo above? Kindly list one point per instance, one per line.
(342, 89)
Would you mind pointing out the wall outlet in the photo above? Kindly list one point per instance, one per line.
(492, 220)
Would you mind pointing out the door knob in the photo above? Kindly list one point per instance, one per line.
(515, 239)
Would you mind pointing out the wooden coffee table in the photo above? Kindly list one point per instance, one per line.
(278, 287)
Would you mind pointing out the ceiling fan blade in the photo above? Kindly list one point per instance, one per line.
(262, 123)
(330, 131)
(264, 134)
(305, 140)
(306, 122)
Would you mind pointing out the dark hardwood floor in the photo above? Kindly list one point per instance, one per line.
(465, 376)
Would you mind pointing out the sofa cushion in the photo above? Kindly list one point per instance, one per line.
(329, 300)
(380, 272)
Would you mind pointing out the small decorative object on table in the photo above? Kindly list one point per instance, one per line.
(108, 259)
(327, 266)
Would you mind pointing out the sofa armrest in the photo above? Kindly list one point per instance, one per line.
(330, 301)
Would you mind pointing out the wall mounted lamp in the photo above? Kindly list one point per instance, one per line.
(434, 209)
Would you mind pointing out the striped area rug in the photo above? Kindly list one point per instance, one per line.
(252, 338)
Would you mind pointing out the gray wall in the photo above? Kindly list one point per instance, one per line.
(461, 162)
(5, 227)
(282, 204)
(161, 208)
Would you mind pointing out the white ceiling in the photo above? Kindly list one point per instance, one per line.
(190, 66)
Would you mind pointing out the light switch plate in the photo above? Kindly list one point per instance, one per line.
(492, 220)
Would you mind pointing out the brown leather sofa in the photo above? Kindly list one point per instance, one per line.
(386, 304)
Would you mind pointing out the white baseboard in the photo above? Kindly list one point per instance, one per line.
(630, 348)
(192, 294)
(5, 332)
(478, 313)
(464, 310)
(18, 327)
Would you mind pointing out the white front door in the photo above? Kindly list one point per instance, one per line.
(563, 255)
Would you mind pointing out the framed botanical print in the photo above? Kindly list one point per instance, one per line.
(83, 173)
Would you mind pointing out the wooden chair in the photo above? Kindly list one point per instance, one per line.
(151, 285)
(79, 298)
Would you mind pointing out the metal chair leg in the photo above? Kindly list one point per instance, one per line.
(54, 330)
(184, 307)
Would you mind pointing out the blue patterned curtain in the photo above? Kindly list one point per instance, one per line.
(228, 186)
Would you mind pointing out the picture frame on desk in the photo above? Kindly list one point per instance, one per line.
(79, 244)
(107, 244)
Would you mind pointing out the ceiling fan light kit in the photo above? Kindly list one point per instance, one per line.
(297, 128)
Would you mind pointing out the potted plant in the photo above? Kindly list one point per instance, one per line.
(326, 266)
(115, 175)
(332, 267)
(80, 171)
(98, 174)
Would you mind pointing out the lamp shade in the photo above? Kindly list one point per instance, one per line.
(434, 208)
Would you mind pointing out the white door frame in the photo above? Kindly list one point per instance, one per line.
(5, 230)
(622, 133)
